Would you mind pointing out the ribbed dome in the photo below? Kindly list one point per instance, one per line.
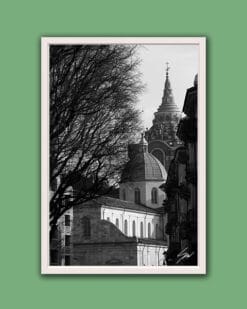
(144, 166)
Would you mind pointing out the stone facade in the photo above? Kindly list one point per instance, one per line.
(123, 234)
(124, 253)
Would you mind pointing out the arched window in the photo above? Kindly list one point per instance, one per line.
(149, 230)
(157, 230)
(154, 195)
(126, 227)
(117, 222)
(159, 155)
(137, 196)
(141, 230)
(134, 228)
(124, 195)
(86, 226)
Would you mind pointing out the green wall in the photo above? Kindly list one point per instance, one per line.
(22, 23)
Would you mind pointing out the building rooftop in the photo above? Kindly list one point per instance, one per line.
(151, 241)
(117, 203)
(143, 167)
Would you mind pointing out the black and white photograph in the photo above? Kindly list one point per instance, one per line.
(123, 155)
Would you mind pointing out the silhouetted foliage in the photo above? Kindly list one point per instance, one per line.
(93, 91)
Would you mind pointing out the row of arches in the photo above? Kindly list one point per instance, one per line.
(137, 197)
(86, 228)
(133, 231)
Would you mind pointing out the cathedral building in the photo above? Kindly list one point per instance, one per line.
(161, 137)
(129, 230)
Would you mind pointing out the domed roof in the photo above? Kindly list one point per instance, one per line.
(143, 167)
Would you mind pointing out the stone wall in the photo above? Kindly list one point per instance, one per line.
(103, 243)
(105, 254)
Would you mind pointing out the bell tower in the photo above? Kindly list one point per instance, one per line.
(161, 137)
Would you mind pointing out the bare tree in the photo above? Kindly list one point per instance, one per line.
(93, 91)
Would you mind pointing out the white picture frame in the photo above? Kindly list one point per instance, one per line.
(160, 270)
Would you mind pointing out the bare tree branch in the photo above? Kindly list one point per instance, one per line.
(93, 92)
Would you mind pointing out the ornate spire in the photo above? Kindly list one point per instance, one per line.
(168, 104)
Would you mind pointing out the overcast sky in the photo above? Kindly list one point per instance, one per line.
(183, 63)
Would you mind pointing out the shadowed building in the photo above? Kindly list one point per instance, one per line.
(181, 188)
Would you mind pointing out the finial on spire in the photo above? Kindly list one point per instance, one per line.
(168, 104)
(167, 68)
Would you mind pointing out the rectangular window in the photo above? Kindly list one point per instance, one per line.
(67, 220)
(67, 259)
(54, 257)
(67, 240)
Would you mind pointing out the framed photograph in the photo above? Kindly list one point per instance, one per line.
(123, 155)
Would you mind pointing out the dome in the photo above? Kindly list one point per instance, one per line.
(144, 167)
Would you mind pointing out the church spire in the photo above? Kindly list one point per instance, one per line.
(168, 104)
